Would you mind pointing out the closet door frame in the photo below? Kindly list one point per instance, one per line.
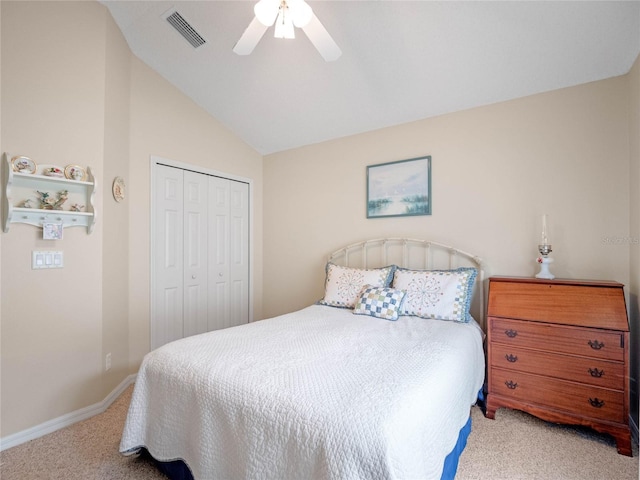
(155, 161)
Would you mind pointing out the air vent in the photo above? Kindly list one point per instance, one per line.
(187, 31)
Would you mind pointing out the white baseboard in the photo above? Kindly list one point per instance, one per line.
(65, 420)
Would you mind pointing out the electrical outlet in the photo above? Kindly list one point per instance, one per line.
(107, 362)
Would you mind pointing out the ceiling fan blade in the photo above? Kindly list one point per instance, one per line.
(250, 37)
(321, 39)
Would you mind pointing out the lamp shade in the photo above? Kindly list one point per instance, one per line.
(301, 12)
(266, 11)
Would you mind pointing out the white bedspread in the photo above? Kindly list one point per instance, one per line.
(316, 394)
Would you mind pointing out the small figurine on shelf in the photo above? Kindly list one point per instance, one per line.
(46, 202)
(28, 203)
(62, 197)
(76, 208)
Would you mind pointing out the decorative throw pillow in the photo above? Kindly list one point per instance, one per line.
(381, 302)
(343, 284)
(439, 294)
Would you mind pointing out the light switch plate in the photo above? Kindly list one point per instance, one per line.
(46, 259)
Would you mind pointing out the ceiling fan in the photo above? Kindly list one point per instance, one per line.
(286, 14)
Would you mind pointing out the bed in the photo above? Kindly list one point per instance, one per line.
(366, 383)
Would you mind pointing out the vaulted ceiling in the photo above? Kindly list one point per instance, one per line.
(401, 60)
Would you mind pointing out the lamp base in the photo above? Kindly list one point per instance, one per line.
(544, 268)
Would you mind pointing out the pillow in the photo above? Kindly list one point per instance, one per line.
(343, 284)
(439, 294)
(380, 302)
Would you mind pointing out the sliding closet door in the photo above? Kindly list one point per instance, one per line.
(229, 257)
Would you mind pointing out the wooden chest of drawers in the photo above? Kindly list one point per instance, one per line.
(559, 349)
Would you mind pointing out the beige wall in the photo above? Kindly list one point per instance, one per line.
(52, 111)
(634, 233)
(73, 93)
(114, 215)
(496, 170)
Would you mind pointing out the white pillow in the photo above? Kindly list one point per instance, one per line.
(344, 284)
(439, 294)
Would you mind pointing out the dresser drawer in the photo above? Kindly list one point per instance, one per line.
(592, 371)
(588, 342)
(583, 400)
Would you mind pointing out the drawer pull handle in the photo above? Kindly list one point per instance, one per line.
(596, 403)
(512, 386)
(511, 358)
(595, 344)
(594, 372)
(511, 333)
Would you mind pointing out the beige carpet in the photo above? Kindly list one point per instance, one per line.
(514, 446)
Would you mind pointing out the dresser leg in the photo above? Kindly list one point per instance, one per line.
(623, 444)
(490, 411)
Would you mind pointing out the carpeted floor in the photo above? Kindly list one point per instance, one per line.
(519, 446)
(514, 446)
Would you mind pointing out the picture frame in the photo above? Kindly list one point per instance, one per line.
(399, 189)
(52, 231)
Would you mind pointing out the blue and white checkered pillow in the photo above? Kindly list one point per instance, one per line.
(380, 302)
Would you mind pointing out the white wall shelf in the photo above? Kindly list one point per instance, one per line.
(20, 187)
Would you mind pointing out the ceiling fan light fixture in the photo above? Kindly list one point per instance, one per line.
(266, 11)
(286, 14)
(284, 23)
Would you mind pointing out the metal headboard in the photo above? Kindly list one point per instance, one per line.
(414, 254)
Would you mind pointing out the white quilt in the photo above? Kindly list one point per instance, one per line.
(316, 394)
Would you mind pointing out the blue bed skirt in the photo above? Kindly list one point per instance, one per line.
(178, 470)
(175, 470)
(451, 462)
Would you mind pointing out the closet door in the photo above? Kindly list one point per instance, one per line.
(180, 254)
(239, 253)
(200, 249)
(196, 187)
(168, 258)
(229, 253)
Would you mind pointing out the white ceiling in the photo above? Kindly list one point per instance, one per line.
(401, 60)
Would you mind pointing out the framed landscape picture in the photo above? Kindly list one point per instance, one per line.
(401, 188)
